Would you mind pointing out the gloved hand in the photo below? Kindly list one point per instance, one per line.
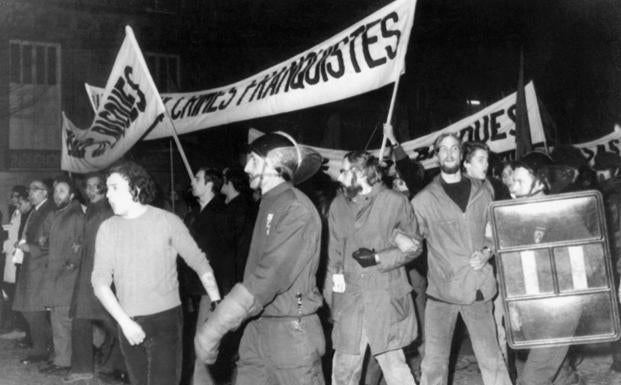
(365, 257)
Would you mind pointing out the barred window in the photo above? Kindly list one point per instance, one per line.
(34, 63)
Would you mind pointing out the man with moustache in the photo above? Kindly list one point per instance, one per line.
(66, 234)
(30, 288)
(137, 249)
(85, 308)
(371, 240)
(451, 214)
(284, 344)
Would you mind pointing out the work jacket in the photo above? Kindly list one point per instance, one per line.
(377, 298)
(452, 237)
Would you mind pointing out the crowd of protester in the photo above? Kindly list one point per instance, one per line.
(218, 286)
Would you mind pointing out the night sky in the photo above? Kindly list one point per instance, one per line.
(459, 50)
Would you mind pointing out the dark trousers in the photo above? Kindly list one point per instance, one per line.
(40, 331)
(82, 359)
(157, 360)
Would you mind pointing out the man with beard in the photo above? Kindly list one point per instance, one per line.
(85, 308)
(137, 249)
(285, 343)
(65, 242)
(546, 365)
(371, 240)
(451, 214)
(30, 288)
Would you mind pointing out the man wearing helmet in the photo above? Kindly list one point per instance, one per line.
(284, 344)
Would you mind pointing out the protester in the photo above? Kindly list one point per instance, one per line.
(209, 231)
(30, 287)
(285, 343)
(8, 317)
(240, 214)
(65, 252)
(368, 289)
(451, 214)
(607, 165)
(86, 310)
(137, 249)
(544, 365)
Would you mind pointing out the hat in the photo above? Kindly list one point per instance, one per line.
(536, 161)
(569, 156)
(606, 160)
(293, 162)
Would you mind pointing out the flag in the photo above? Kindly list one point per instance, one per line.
(364, 57)
(129, 108)
(523, 143)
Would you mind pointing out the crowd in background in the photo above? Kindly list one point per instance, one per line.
(49, 307)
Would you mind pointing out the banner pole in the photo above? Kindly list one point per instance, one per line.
(389, 116)
(172, 175)
(179, 147)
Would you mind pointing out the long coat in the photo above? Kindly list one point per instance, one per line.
(84, 304)
(66, 239)
(30, 287)
(378, 297)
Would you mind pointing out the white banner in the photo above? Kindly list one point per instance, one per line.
(494, 125)
(608, 143)
(130, 106)
(364, 57)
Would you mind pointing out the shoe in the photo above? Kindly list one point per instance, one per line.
(114, 377)
(75, 377)
(55, 369)
(33, 359)
(23, 344)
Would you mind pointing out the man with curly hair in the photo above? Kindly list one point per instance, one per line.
(137, 249)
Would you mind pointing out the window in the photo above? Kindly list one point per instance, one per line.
(164, 70)
(34, 63)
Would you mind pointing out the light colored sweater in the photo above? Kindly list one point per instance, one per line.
(139, 255)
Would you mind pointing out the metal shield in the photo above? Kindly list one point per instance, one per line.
(555, 270)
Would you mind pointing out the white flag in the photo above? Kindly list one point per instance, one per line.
(129, 108)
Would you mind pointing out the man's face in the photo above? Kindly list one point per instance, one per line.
(256, 168)
(524, 183)
(37, 192)
(92, 189)
(449, 155)
(24, 205)
(477, 166)
(199, 186)
(507, 176)
(14, 199)
(62, 194)
(350, 177)
(119, 194)
(226, 187)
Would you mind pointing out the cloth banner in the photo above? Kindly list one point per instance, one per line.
(364, 57)
(608, 143)
(494, 125)
(130, 106)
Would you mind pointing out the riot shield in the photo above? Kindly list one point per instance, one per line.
(555, 270)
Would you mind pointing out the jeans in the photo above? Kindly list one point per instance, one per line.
(440, 319)
(347, 368)
(157, 360)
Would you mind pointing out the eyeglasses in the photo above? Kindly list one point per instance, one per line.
(36, 188)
